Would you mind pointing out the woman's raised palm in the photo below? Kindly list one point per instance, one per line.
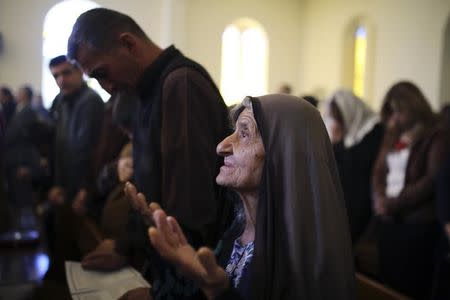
(200, 266)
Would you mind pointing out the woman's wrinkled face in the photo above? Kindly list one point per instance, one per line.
(243, 153)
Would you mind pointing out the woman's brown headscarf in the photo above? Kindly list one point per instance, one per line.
(302, 242)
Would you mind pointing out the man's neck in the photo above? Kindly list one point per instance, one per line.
(75, 92)
(150, 53)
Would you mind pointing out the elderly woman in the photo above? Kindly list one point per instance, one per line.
(290, 239)
(356, 133)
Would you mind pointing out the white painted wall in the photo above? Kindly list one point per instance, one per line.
(408, 44)
(305, 38)
(282, 19)
(21, 24)
(445, 67)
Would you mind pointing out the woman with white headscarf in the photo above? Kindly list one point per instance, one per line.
(356, 134)
(291, 239)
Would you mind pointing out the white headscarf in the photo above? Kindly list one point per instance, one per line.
(359, 118)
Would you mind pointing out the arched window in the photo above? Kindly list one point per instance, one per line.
(358, 58)
(244, 61)
(444, 94)
(359, 62)
(58, 25)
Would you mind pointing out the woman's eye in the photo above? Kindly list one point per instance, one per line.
(243, 134)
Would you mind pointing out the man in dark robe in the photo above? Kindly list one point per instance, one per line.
(181, 117)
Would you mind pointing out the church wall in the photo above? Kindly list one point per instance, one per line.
(306, 38)
(408, 44)
(21, 24)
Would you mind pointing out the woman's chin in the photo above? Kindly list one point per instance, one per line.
(223, 180)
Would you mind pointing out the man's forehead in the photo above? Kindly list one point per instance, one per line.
(87, 58)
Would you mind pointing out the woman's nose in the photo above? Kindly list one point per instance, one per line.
(225, 147)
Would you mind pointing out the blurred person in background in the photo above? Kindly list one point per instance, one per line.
(21, 158)
(441, 286)
(356, 133)
(403, 183)
(41, 111)
(78, 115)
(7, 102)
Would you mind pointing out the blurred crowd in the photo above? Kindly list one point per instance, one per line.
(66, 169)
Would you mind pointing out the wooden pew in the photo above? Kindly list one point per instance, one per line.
(368, 289)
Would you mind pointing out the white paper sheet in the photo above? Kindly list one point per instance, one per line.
(94, 285)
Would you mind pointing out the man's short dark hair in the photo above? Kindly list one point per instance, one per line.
(57, 60)
(6, 91)
(99, 29)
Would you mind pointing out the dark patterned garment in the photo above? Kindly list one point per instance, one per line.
(240, 260)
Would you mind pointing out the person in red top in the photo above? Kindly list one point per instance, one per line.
(403, 185)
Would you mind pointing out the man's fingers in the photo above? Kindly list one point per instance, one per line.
(93, 261)
(144, 209)
(130, 191)
(137, 200)
(105, 248)
(94, 255)
(142, 202)
(104, 262)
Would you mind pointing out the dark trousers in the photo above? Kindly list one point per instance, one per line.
(406, 256)
(73, 237)
(441, 279)
(21, 200)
